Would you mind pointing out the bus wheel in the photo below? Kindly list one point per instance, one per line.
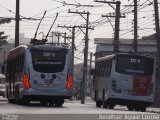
(58, 104)
(143, 109)
(111, 106)
(98, 103)
(17, 101)
(131, 108)
(43, 102)
(137, 109)
(11, 100)
(51, 103)
(23, 101)
(105, 105)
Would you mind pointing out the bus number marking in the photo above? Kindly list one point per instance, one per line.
(133, 60)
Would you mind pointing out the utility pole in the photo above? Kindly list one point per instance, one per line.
(117, 22)
(73, 45)
(135, 27)
(157, 35)
(65, 37)
(58, 34)
(91, 54)
(17, 24)
(58, 38)
(4, 56)
(85, 71)
(52, 36)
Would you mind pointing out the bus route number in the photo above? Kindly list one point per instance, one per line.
(133, 60)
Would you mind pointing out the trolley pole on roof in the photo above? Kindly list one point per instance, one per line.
(17, 24)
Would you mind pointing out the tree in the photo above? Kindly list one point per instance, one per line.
(3, 37)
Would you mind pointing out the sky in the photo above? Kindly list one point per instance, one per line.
(103, 26)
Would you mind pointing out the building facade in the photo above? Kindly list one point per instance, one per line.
(106, 46)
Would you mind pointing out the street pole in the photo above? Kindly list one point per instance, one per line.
(52, 36)
(17, 24)
(90, 87)
(157, 36)
(65, 37)
(4, 56)
(59, 38)
(85, 69)
(135, 27)
(73, 47)
(117, 23)
(116, 37)
(84, 79)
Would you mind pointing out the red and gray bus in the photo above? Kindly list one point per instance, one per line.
(124, 79)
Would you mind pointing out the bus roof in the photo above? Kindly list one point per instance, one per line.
(16, 51)
(20, 49)
(47, 47)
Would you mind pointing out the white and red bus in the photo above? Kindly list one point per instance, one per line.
(124, 79)
(39, 73)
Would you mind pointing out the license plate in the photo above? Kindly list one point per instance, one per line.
(48, 83)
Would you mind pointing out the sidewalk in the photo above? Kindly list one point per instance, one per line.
(153, 109)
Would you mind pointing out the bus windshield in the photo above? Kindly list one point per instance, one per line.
(48, 61)
(132, 64)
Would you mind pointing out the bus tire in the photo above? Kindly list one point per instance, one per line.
(17, 100)
(137, 109)
(111, 106)
(43, 102)
(143, 109)
(130, 108)
(11, 100)
(98, 103)
(105, 105)
(23, 101)
(59, 103)
(51, 103)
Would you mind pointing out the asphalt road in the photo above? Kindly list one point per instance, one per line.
(71, 110)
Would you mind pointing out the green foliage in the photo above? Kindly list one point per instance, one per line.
(3, 37)
(4, 20)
